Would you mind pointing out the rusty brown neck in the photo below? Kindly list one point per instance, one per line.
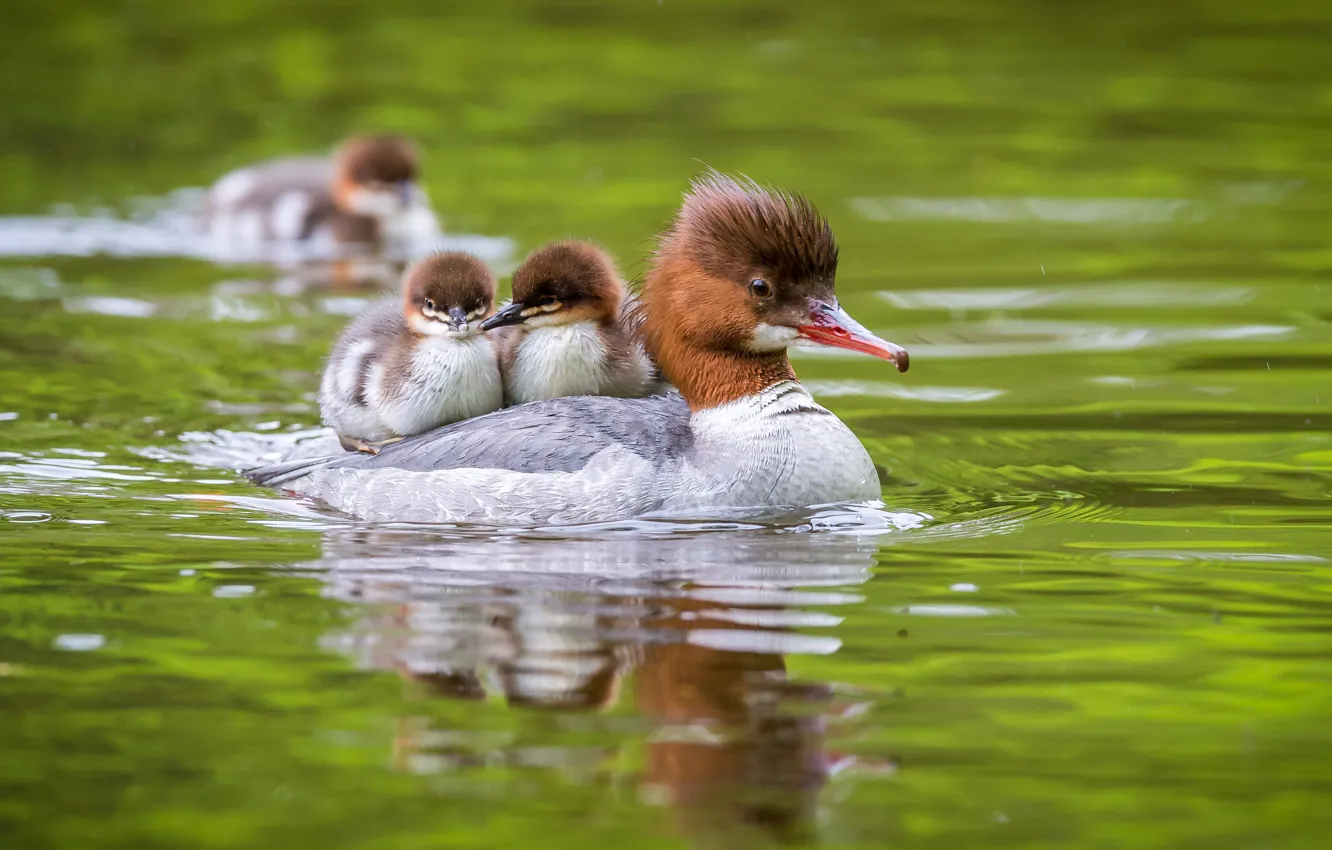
(712, 378)
(687, 317)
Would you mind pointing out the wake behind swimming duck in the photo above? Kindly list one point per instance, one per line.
(407, 366)
(742, 274)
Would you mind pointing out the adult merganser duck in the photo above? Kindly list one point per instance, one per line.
(407, 366)
(366, 195)
(742, 273)
(567, 336)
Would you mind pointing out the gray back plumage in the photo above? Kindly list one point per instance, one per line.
(381, 321)
(558, 435)
(270, 181)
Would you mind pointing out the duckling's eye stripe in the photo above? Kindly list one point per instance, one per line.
(541, 308)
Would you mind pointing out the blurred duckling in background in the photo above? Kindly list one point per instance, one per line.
(407, 366)
(366, 195)
(567, 332)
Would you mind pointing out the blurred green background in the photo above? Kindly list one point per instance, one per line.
(1102, 231)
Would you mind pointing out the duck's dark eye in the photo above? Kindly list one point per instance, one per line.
(547, 301)
(760, 287)
(430, 304)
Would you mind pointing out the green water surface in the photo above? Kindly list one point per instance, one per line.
(1102, 230)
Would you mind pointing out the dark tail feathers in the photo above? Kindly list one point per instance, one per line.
(277, 474)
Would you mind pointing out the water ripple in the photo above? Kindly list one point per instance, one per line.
(1027, 209)
(1106, 294)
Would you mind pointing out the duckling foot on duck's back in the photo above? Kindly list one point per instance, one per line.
(370, 447)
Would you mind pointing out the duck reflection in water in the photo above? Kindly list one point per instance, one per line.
(694, 629)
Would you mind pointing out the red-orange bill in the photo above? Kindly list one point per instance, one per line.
(833, 326)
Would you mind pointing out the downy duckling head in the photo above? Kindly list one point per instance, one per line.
(376, 176)
(560, 284)
(448, 294)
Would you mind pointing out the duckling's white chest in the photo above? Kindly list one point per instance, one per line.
(448, 380)
(556, 361)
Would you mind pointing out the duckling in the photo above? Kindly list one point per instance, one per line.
(570, 335)
(367, 195)
(404, 367)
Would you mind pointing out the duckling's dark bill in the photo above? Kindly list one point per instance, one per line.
(511, 314)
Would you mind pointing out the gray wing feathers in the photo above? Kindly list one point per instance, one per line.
(265, 184)
(558, 435)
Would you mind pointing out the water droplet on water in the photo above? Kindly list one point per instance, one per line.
(233, 591)
(80, 643)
